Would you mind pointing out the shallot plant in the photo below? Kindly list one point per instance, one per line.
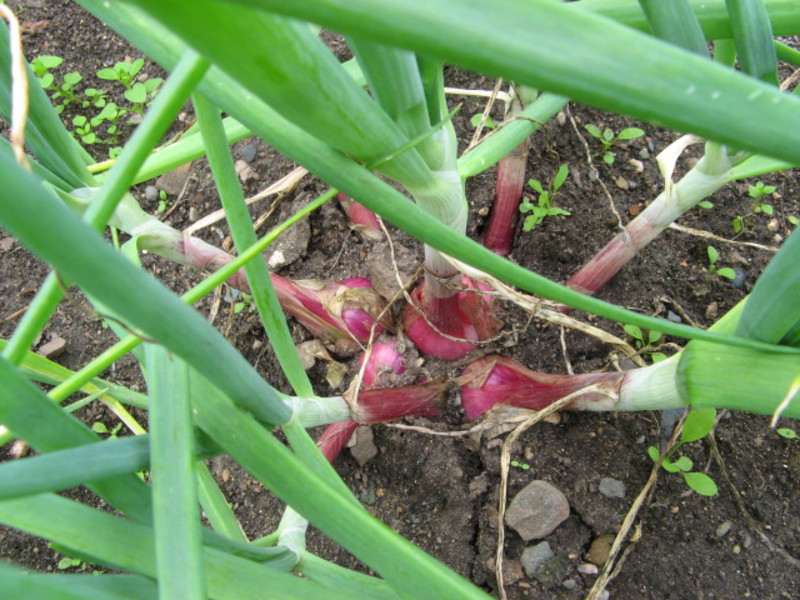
(261, 63)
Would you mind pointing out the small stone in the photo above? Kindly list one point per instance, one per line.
(194, 214)
(244, 171)
(747, 540)
(612, 488)
(54, 348)
(173, 182)
(712, 310)
(671, 316)
(738, 281)
(644, 153)
(569, 584)
(19, 449)
(773, 225)
(542, 565)
(151, 193)
(637, 165)
(723, 529)
(537, 510)
(535, 557)
(588, 569)
(777, 238)
(600, 549)
(737, 549)
(622, 183)
(364, 449)
(249, 152)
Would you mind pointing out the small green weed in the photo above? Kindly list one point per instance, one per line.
(104, 126)
(475, 120)
(100, 427)
(757, 192)
(543, 207)
(714, 268)
(697, 425)
(607, 138)
(644, 339)
(789, 434)
(520, 465)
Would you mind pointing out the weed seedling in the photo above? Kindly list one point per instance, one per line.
(100, 427)
(41, 68)
(757, 192)
(475, 120)
(789, 434)
(607, 138)
(163, 202)
(643, 339)
(520, 465)
(543, 207)
(138, 93)
(713, 268)
(697, 425)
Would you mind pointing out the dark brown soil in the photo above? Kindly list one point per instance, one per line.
(442, 492)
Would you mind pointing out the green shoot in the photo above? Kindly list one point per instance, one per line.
(788, 433)
(607, 138)
(714, 268)
(543, 207)
(698, 424)
(644, 339)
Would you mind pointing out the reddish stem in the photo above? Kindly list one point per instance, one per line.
(499, 234)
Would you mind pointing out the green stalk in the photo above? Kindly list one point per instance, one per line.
(239, 220)
(176, 519)
(709, 174)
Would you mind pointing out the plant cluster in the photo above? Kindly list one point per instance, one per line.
(104, 126)
(203, 398)
(608, 139)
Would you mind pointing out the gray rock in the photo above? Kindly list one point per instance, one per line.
(542, 565)
(723, 529)
(537, 510)
(151, 193)
(173, 181)
(249, 152)
(535, 558)
(364, 449)
(612, 488)
(738, 281)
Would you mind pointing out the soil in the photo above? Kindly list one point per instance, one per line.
(442, 492)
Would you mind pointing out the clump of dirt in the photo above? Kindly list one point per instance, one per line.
(442, 491)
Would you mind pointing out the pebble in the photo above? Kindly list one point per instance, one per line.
(644, 153)
(588, 569)
(535, 557)
(671, 316)
(622, 183)
(151, 193)
(19, 449)
(738, 281)
(723, 529)
(173, 181)
(249, 152)
(542, 565)
(612, 488)
(773, 225)
(600, 549)
(54, 348)
(712, 310)
(569, 584)
(364, 449)
(537, 510)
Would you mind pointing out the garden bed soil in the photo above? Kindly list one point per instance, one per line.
(442, 491)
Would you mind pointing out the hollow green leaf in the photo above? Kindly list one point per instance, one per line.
(131, 292)
(772, 310)
(752, 34)
(176, 517)
(713, 375)
(675, 22)
(566, 50)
